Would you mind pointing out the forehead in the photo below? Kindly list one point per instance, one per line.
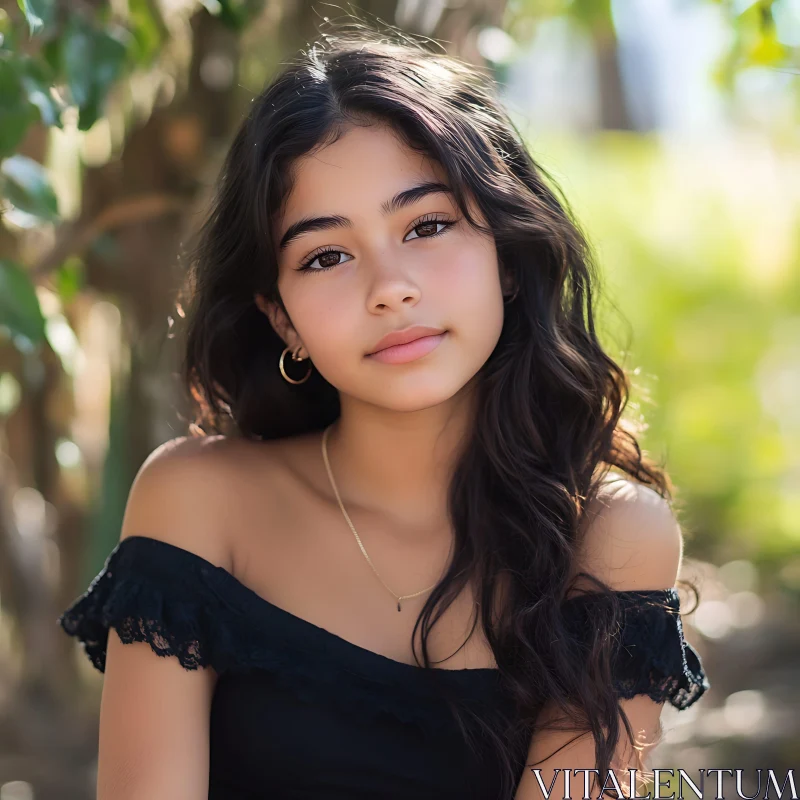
(361, 170)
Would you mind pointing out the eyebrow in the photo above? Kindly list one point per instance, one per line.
(401, 200)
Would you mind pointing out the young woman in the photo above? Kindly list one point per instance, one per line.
(397, 563)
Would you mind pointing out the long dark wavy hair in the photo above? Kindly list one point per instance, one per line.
(548, 426)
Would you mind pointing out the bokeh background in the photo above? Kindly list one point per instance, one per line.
(672, 127)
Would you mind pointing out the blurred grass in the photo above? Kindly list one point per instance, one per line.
(698, 247)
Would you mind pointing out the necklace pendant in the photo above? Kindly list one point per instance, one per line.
(398, 605)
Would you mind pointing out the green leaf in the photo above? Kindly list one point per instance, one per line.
(40, 14)
(92, 60)
(16, 113)
(592, 14)
(147, 32)
(19, 306)
(37, 80)
(28, 188)
(51, 55)
(766, 50)
(76, 55)
(8, 33)
(69, 278)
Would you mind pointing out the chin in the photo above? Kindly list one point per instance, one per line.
(417, 393)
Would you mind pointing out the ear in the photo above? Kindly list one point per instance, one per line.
(508, 282)
(278, 319)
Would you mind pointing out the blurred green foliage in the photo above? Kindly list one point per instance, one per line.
(763, 32)
(61, 59)
(701, 255)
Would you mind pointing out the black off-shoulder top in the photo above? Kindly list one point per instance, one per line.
(299, 712)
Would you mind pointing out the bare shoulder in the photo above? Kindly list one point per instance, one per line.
(154, 737)
(631, 538)
(185, 491)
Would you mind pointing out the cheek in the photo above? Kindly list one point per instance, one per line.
(469, 283)
(326, 321)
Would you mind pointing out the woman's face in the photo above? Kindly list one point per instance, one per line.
(372, 269)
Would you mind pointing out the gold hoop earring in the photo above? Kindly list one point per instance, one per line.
(295, 357)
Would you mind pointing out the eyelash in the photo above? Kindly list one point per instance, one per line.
(428, 218)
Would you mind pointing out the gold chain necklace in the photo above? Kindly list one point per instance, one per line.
(352, 527)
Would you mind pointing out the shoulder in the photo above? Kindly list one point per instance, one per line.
(630, 537)
(185, 492)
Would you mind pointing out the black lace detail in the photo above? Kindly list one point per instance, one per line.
(153, 605)
(184, 606)
(651, 655)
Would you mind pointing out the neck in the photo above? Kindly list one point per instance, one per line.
(399, 464)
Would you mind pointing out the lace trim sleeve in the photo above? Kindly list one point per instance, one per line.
(651, 656)
(144, 601)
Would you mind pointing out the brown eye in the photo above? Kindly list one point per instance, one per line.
(328, 259)
(428, 227)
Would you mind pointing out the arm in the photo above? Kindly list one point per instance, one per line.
(154, 714)
(632, 542)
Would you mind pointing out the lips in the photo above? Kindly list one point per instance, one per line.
(410, 351)
(405, 336)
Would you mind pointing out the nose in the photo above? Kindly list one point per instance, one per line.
(392, 290)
